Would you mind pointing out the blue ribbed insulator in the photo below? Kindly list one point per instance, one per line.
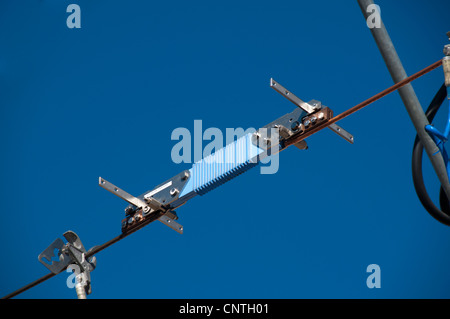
(225, 164)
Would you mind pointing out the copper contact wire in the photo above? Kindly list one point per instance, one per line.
(363, 104)
(288, 142)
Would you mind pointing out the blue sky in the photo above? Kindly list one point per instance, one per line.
(103, 100)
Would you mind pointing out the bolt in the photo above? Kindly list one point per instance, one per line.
(174, 191)
(321, 116)
(130, 220)
(313, 120)
(185, 176)
(255, 138)
(301, 128)
(447, 50)
(306, 122)
(146, 209)
(294, 126)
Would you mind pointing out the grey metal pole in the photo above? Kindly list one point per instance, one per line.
(81, 292)
(80, 286)
(407, 93)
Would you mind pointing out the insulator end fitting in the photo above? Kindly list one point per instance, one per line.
(446, 67)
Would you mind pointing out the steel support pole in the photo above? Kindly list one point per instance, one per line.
(407, 93)
(80, 287)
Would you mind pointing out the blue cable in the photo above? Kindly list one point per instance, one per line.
(440, 139)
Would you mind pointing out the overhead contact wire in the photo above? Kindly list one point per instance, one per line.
(288, 143)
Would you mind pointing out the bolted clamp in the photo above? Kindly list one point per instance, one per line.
(143, 206)
(310, 108)
(446, 65)
(72, 255)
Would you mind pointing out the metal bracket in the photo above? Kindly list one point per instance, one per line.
(151, 203)
(53, 257)
(144, 207)
(341, 132)
(166, 220)
(68, 255)
(309, 108)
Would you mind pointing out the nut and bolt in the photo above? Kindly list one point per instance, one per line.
(185, 175)
(301, 128)
(447, 50)
(255, 137)
(174, 192)
(298, 127)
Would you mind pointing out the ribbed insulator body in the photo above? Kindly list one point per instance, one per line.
(225, 164)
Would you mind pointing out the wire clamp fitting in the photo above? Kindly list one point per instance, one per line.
(59, 256)
(154, 203)
(311, 107)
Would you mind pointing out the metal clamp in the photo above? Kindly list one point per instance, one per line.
(145, 206)
(60, 255)
(309, 108)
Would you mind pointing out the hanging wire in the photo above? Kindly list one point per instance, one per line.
(292, 141)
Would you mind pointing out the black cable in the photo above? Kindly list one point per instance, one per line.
(30, 285)
(95, 250)
(91, 252)
(442, 214)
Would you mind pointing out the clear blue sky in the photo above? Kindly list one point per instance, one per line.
(103, 100)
